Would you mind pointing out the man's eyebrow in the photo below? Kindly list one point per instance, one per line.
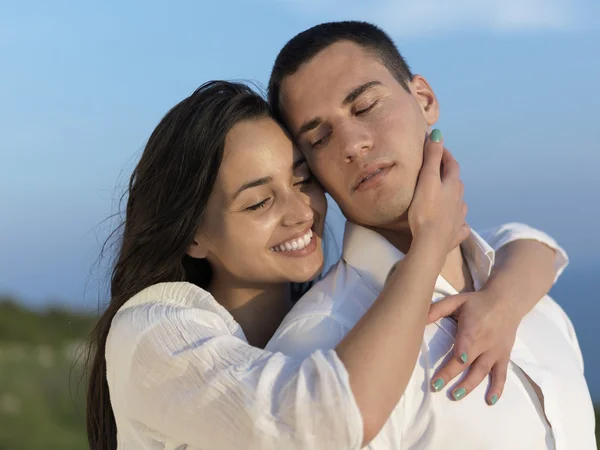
(358, 91)
(307, 126)
(251, 184)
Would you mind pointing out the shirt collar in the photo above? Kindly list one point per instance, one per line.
(373, 256)
(480, 257)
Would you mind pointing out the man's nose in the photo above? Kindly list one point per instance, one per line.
(356, 140)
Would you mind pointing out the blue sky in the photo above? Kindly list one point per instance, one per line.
(83, 84)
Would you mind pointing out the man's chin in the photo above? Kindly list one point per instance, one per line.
(380, 219)
(380, 213)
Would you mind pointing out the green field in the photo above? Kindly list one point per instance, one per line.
(42, 394)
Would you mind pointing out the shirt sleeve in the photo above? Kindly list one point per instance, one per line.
(500, 236)
(209, 389)
(308, 332)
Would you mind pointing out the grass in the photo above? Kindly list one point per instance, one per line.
(42, 392)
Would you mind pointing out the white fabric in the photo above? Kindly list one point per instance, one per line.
(181, 374)
(546, 349)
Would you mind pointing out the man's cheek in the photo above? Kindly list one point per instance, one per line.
(320, 171)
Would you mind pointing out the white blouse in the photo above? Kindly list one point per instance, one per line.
(181, 374)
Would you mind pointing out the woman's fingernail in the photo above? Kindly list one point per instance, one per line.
(459, 393)
(438, 384)
(436, 135)
(494, 399)
(463, 357)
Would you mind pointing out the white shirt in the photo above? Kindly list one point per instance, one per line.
(546, 349)
(181, 374)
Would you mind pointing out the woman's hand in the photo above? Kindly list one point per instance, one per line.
(438, 211)
(488, 319)
(485, 336)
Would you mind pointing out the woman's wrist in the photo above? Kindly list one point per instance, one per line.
(501, 290)
(429, 252)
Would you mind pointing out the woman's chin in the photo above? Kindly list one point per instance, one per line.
(307, 274)
(300, 269)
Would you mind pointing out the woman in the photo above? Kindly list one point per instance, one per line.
(223, 216)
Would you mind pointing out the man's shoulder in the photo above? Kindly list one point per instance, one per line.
(325, 314)
(341, 294)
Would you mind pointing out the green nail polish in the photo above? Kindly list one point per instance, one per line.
(436, 135)
(459, 393)
(494, 399)
(438, 384)
(464, 358)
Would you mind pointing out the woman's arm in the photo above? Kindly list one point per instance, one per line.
(524, 272)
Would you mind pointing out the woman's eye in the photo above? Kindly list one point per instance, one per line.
(304, 182)
(258, 205)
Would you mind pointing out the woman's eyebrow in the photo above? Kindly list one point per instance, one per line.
(251, 184)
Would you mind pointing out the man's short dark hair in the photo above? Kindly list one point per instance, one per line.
(306, 45)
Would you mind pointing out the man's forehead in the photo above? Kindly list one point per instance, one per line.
(326, 80)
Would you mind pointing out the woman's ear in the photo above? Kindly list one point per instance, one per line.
(199, 246)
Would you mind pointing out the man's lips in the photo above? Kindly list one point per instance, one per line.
(370, 172)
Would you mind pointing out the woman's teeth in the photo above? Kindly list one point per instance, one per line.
(294, 244)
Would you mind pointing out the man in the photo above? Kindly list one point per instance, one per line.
(360, 117)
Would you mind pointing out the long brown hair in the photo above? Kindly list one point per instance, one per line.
(167, 196)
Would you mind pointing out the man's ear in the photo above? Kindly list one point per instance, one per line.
(420, 89)
(199, 246)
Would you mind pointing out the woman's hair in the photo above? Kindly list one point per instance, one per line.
(167, 197)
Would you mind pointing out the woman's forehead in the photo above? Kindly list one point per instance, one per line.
(256, 149)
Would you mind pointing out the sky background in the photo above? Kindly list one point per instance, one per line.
(82, 85)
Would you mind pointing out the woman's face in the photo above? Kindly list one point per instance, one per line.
(265, 217)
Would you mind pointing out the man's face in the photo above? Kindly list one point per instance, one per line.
(361, 132)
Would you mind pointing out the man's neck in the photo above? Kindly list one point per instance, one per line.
(258, 309)
(455, 270)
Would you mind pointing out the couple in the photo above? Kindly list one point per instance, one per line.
(205, 344)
